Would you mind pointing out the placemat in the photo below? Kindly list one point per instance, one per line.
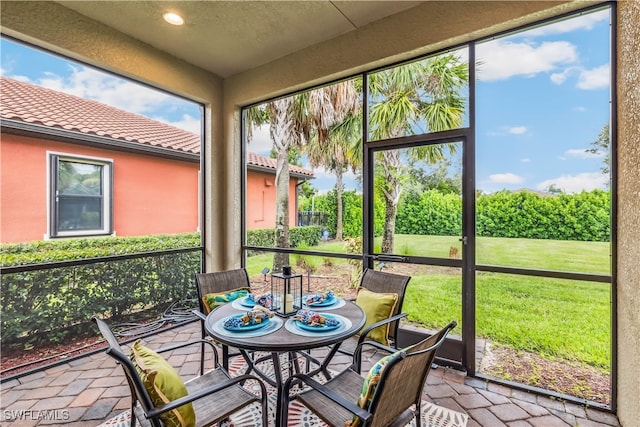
(344, 325)
(274, 324)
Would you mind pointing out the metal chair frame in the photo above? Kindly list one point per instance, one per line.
(396, 400)
(214, 394)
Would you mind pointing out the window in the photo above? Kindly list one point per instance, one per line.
(80, 196)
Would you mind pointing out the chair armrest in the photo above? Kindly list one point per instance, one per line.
(329, 394)
(206, 392)
(185, 344)
(375, 344)
(365, 332)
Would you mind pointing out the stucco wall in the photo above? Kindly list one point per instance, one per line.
(261, 200)
(151, 195)
(628, 250)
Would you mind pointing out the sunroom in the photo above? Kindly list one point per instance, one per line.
(358, 42)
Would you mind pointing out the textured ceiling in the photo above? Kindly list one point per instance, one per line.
(229, 37)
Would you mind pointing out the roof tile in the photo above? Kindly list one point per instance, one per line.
(35, 104)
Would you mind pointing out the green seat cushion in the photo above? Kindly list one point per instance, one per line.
(214, 300)
(163, 383)
(377, 306)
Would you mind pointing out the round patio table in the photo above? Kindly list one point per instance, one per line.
(281, 338)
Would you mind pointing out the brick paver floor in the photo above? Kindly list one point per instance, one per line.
(92, 389)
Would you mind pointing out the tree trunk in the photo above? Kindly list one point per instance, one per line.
(282, 210)
(389, 224)
(391, 191)
(339, 189)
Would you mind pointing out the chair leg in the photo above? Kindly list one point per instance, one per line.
(225, 357)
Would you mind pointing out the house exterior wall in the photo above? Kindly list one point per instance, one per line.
(261, 200)
(151, 195)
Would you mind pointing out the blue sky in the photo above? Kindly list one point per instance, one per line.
(542, 97)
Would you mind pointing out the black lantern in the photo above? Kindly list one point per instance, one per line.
(286, 291)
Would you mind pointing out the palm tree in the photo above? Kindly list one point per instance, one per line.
(424, 95)
(340, 149)
(291, 121)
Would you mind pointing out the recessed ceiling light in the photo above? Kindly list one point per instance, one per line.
(173, 18)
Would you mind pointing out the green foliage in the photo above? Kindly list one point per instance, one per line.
(298, 236)
(430, 213)
(583, 216)
(351, 213)
(39, 252)
(50, 304)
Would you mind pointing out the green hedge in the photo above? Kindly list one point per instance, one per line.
(583, 216)
(51, 304)
(39, 252)
(298, 236)
(351, 213)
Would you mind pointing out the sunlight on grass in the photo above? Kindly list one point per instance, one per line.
(556, 318)
(553, 317)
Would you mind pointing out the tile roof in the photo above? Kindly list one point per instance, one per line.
(29, 103)
(259, 161)
(46, 107)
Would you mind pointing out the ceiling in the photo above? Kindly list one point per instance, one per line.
(229, 37)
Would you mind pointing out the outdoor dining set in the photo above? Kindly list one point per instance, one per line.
(275, 333)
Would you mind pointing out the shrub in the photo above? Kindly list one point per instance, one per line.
(52, 303)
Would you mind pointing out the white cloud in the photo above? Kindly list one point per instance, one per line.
(561, 77)
(261, 141)
(518, 130)
(126, 95)
(525, 160)
(576, 183)
(505, 178)
(596, 78)
(582, 153)
(580, 108)
(501, 59)
(95, 85)
(188, 123)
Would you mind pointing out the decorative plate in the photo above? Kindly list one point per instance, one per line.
(321, 328)
(247, 328)
(325, 303)
(246, 302)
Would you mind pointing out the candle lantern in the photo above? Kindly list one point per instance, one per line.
(286, 291)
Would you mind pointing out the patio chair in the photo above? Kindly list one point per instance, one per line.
(386, 290)
(219, 283)
(158, 396)
(393, 391)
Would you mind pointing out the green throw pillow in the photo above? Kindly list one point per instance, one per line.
(370, 385)
(163, 383)
(377, 307)
(213, 301)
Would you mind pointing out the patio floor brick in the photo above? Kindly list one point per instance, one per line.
(93, 389)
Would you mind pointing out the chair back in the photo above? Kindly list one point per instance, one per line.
(403, 379)
(138, 391)
(383, 282)
(220, 281)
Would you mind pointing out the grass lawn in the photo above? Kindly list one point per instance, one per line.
(566, 319)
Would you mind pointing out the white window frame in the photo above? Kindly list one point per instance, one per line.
(107, 195)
